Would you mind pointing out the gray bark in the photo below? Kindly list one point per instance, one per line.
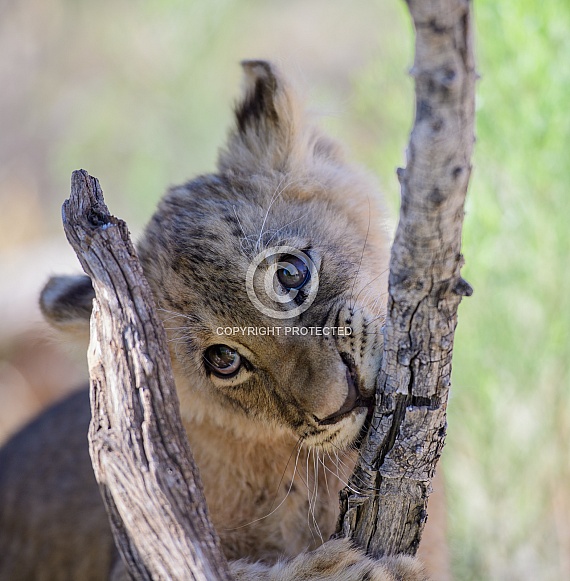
(140, 452)
(399, 455)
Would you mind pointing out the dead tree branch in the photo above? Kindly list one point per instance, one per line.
(140, 452)
(399, 455)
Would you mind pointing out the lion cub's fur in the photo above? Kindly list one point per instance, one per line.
(272, 447)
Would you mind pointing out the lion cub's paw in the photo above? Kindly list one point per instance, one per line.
(336, 560)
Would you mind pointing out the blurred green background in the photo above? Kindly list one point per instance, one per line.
(139, 94)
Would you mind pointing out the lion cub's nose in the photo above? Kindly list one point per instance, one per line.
(351, 402)
(352, 395)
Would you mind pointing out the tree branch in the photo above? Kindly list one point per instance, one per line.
(140, 452)
(399, 455)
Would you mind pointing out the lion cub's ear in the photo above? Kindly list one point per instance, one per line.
(66, 302)
(265, 103)
(268, 122)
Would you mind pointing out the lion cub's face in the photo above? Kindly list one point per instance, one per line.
(270, 277)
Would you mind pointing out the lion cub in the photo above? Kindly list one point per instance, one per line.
(270, 276)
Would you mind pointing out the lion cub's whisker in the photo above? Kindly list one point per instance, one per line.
(299, 446)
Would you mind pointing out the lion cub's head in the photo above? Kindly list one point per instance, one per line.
(270, 276)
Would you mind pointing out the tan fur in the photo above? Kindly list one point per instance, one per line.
(270, 448)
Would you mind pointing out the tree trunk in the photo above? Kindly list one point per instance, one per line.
(140, 452)
(399, 455)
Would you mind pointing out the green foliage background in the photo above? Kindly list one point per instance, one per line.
(139, 94)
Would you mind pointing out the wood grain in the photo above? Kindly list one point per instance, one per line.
(140, 452)
(400, 453)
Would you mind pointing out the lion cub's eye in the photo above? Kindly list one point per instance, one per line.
(292, 273)
(222, 360)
